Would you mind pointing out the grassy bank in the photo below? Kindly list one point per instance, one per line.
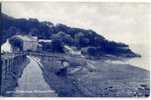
(113, 80)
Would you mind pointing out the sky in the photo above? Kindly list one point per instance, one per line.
(124, 22)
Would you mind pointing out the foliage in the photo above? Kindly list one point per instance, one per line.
(63, 35)
(16, 43)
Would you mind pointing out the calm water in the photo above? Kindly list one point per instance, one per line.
(142, 62)
(144, 51)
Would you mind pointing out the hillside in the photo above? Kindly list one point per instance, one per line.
(88, 41)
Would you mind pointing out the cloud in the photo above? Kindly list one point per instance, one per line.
(126, 22)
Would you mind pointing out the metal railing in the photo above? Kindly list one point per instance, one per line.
(10, 60)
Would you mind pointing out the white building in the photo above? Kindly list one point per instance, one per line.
(29, 42)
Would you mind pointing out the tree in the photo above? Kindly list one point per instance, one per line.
(57, 46)
(63, 37)
(77, 39)
(91, 51)
(34, 31)
(16, 43)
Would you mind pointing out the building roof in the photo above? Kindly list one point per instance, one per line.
(26, 37)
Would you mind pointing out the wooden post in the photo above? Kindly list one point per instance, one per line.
(6, 69)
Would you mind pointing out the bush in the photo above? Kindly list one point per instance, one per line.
(91, 51)
(57, 46)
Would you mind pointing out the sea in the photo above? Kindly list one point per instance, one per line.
(140, 62)
(144, 60)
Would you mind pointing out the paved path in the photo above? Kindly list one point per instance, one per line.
(32, 82)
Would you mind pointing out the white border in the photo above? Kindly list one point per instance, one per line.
(135, 1)
(73, 98)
